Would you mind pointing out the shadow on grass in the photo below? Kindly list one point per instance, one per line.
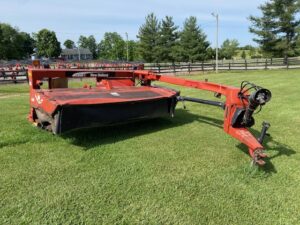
(93, 137)
(89, 138)
(270, 144)
(12, 143)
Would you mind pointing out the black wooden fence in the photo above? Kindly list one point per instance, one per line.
(13, 76)
(224, 65)
(20, 76)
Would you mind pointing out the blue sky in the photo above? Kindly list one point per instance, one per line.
(70, 18)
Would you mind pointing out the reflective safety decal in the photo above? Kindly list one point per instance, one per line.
(38, 99)
(115, 94)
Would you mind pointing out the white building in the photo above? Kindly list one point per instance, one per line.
(77, 54)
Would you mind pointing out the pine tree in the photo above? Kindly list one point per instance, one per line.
(277, 28)
(193, 43)
(168, 39)
(148, 39)
(287, 25)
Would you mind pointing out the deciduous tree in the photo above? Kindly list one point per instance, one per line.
(69, 44)
(26, 44)
(112, 47)
(88, 42)
(229, 48)
(47, 43)
(13, 43)
(133, 51)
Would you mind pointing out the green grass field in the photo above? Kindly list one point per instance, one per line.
(184, 170)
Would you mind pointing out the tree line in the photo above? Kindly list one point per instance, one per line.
(158, 41)
(276, 32)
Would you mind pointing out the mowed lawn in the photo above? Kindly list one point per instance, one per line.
(184, 170)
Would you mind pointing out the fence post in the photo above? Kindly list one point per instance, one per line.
(27, 78)
(229, 67)
(287, 63)
(174, 69)
(271, 61)
(189, 67)
(266, 64)
(158, 67)
(202, 66)
(246, 66)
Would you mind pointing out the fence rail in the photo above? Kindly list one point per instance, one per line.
(20, 75)
(13, 76)
(224, 65)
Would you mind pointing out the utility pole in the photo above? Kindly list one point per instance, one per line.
(217, 41)
(127, 50)
(78, 49)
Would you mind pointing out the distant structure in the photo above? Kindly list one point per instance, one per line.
(76, 54)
